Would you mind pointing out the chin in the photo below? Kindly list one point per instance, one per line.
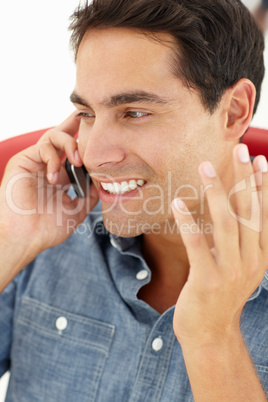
(124, 228)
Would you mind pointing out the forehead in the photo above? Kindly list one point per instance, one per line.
(124, 55)
(121, 60)
(130, 39)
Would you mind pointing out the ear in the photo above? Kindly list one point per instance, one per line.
(239, 106)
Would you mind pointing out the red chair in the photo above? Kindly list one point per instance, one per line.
(255, 138)
(257, 141)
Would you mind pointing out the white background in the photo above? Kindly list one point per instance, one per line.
(37, 72)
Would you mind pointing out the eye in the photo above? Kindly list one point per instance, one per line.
(84, 115)
(136, 115)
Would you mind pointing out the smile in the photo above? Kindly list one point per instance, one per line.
(122, 188)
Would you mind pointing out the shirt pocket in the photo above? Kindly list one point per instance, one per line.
(57, 355)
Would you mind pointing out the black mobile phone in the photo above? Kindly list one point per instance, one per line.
(79, 179)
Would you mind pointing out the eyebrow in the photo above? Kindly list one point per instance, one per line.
(123, 98)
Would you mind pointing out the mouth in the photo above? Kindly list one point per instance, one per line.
(121, 188)
(116, 190)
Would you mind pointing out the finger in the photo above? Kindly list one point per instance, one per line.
(45, 156)
(62, 138)
(194, 241)
(49, 156)
(261, 177)
(69, 126)
(225, 233)
(64, 144)
(246, 200)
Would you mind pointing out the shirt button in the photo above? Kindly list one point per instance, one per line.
(61, 323)
(143, 274)
(157, 344)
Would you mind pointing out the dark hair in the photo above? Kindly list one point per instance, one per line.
(218, 41)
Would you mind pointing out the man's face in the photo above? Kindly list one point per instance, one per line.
(141, 127)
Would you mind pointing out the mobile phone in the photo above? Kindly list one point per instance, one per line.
(79, 178)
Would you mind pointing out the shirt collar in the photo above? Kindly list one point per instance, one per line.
(263, 285)
(128, 244)
(123, 244)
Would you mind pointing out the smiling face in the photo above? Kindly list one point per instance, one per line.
(141, 129)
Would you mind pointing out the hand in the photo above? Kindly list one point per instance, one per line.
(221, 280)
(34, 206)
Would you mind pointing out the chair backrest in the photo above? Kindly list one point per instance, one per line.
(255, 138)
(257, 141)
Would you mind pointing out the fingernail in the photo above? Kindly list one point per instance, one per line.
(209, 170)
(262, 164)
(53, 177)
(243, 154)
(179, 204)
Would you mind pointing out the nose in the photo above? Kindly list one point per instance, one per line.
(100, 146)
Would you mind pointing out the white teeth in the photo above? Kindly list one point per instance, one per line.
(117, 188)
(105, 186)
(122, 188)
(110, 187)
(133, 184)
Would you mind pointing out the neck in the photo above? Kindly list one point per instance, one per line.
(167, 258)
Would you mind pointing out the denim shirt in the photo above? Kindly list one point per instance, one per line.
(72, 328)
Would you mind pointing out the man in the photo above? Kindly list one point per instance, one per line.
(163, 296)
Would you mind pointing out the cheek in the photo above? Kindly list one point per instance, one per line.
(179, 165)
